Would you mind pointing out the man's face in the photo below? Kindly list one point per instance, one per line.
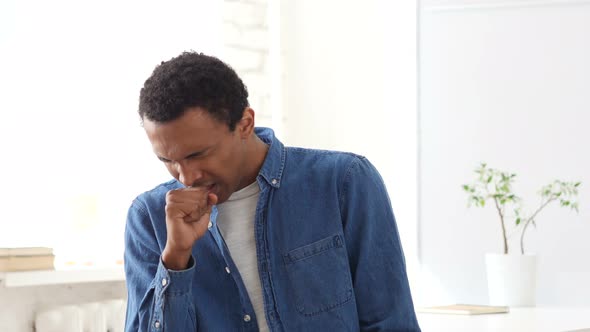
(200, 151)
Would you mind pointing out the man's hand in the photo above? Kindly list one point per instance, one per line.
(187, 220)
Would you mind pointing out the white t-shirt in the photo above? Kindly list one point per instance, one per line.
(236, 224)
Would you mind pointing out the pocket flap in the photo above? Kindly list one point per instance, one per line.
(313, 249)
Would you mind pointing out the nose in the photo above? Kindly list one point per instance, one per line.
(189, 175)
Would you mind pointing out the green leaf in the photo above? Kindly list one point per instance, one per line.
(517, 221)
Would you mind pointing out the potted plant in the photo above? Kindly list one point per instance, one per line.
(512, 277)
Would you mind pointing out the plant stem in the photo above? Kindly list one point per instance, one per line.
(503, 226)
(529, 220)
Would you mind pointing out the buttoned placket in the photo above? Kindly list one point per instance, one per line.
(274, 324)
(247, 308)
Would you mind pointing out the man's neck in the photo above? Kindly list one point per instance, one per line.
(258, 150)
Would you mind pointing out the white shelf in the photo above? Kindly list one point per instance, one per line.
(56, 277)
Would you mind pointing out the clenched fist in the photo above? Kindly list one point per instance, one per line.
(187, 218)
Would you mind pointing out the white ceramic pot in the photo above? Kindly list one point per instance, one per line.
(512, 279)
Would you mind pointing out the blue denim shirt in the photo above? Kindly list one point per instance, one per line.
(329, 254)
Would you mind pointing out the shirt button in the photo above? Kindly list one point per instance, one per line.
(164, 282)
(227, 269)
(157, 324)
(210, 225)
(247, 318)
(274, 181)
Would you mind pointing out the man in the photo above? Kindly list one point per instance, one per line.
(251, 235)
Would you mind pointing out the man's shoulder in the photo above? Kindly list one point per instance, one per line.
(314, 163)
(320, 166)
(319, 158)
(320, 154)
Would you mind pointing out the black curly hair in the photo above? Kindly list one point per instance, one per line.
(193, 80)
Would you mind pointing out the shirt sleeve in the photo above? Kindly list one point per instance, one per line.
(378, 268)
(158, 299)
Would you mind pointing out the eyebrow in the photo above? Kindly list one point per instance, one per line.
(194, 154)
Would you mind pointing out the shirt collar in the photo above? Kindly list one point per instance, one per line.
(274, 163)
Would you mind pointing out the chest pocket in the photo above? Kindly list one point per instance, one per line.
(319, 275)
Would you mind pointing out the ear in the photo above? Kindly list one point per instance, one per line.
(245, 126)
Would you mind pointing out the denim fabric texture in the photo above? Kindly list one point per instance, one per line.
(329, 254)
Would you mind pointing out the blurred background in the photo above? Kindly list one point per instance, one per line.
(425, 89)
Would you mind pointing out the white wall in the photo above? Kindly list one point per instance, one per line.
(349, 83)
(509, 85)
(246, 48)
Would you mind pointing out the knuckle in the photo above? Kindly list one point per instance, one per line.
(169, 195)
(168, 208)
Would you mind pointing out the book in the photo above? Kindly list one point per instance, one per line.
(25, 251)
(464, 309)
(26, 263)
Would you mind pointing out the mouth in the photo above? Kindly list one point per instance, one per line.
(208, 187)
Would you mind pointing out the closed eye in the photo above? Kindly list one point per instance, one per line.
(193, 155)
(164, 160)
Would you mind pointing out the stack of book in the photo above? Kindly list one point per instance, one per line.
(26, 259)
